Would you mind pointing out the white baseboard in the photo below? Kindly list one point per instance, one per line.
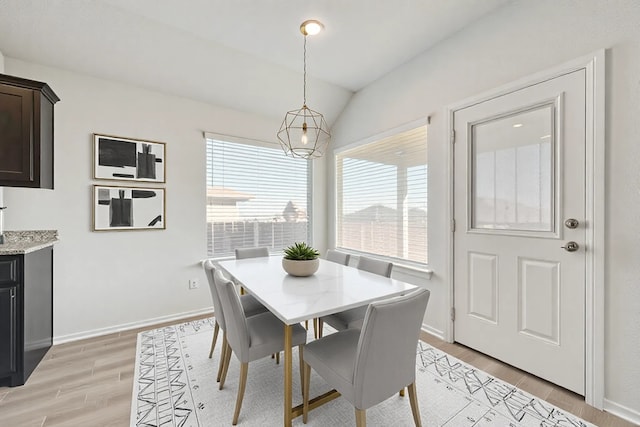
(622, 411)
(433, 331)
(127, 326)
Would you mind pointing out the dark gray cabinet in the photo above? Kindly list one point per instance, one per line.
(26, 313)
(26, 133)
(8, 334)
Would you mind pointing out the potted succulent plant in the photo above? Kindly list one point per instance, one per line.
(300, 259)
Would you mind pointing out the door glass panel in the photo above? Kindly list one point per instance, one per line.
(512, 160)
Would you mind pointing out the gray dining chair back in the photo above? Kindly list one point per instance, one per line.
(338, 257)
(375, 266)
(236, 322)
(370, 365)
(210, 270)
(250, 305)
(244, 253)
(386, 356)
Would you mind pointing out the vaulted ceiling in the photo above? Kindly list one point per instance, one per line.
(241, 54)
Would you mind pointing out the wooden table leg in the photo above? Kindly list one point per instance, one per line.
(288, 355)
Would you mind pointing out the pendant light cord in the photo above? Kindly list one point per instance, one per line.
(304, 62)
(304, 82)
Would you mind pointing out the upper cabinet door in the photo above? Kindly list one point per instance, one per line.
(26, 133)
(16, 127)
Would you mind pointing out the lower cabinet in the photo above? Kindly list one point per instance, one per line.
(26, 313)
(8, 330)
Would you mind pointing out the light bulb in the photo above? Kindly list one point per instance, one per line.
(304, 138)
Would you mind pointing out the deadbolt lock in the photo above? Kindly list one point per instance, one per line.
(571, 247)
(572, 223)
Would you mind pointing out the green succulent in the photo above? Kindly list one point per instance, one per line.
(301, 252)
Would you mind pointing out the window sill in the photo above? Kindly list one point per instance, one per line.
(409, 270)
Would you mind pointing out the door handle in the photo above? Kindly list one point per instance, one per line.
(571, 247)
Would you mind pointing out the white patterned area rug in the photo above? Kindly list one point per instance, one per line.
(175, 385)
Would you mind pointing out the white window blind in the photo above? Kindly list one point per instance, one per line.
(256, 196)
(382, 197)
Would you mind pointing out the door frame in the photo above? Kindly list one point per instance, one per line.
(594, 66)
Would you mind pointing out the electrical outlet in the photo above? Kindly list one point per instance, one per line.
(193, 284)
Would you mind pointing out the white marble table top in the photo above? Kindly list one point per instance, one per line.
(333, 288)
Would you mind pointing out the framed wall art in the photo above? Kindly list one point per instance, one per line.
(128, 208)
(128, 159)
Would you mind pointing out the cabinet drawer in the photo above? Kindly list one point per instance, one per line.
(8, 270)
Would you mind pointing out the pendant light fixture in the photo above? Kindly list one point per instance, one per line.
(304, 132)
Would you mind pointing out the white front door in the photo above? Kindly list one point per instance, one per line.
(519, 209)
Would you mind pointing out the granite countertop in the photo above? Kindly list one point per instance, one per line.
(23, 242)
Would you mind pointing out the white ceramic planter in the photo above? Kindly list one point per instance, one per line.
(300, 268)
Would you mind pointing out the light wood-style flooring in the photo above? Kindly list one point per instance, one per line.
(89, 383)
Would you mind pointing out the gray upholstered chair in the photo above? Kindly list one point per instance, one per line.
(243, 253)
(354, 317)
(370, 365)
(375, 266)
(250, 306)
(337, 256)
(251, 338)
(258, 252)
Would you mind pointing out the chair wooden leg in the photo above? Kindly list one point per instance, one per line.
(215, 338)
(305, 393)
(401, 394)
(415, 409)
(315, 327)
(300, 356)
(223, 354)
(277, 358)
(320, 326)
(244, 368)
(306, 325)
(361, 418)
(225, 369)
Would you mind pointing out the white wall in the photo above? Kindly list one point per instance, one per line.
(105, 281)
(520, 39)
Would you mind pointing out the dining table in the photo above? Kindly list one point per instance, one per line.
(331, 289)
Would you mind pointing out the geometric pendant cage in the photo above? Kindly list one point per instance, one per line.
(304, 133)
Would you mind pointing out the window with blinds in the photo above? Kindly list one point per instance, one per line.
(256, 196)
(382, 197)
